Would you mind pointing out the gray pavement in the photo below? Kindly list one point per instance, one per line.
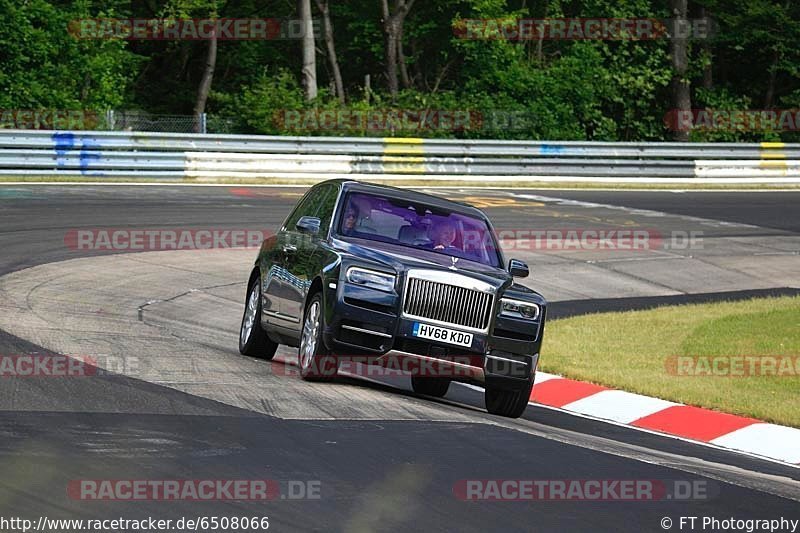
(182, 403)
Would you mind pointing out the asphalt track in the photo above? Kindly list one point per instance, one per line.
(386, 459)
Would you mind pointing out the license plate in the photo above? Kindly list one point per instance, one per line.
(450, 336)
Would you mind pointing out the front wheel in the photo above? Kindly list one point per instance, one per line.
(253, 340)
(509, 403)
(316, 363)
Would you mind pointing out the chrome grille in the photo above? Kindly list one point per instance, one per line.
(449, 304)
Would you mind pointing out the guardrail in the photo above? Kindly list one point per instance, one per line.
(114, 155)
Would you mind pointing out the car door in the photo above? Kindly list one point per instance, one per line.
(271, 263)
(277, 282)
(302, 261)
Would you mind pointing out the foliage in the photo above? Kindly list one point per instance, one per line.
(44, 67)
(530, 89)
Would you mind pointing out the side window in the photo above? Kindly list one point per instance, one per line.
(306, 208)
(327, 205)
(319, 202)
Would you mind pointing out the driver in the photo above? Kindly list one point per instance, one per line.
(443, 236)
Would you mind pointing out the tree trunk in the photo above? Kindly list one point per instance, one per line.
(309, 73)
(330, 46)
(205, 82)
(681, 88)
(392, 29)
(390, 53)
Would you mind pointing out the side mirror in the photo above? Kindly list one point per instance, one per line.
(308, 225)
(518, 269)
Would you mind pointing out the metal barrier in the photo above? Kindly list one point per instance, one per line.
(188, 156)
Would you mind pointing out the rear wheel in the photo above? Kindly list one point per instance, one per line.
(510, 403)
(430, 386)
(316, 363)
(253, 340)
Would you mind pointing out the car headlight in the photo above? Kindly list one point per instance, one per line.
(369, 278)
(518, 309)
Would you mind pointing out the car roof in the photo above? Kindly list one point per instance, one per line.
(414, 196)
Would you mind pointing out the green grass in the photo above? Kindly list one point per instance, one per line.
(636, 351)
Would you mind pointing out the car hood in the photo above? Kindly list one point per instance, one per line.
(402, 258)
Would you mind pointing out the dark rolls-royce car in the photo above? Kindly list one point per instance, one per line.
(379, 275)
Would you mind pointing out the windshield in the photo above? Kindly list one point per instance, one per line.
(416, 225)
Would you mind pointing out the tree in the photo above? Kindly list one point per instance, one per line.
(208, 77)
(330, 46)
(679, 54)
(205, 8)
(393, 33)
(309, 69)
(756, 49)
(47, 64)
(557, 89)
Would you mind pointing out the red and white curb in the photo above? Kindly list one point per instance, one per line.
(733, 432)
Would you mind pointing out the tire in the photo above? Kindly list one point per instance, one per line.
(253, 340)
(508, 403)
(436, 387)
(315, 361)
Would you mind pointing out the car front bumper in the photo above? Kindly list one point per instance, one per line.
(367, 325)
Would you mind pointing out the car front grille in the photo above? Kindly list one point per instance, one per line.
(447, 303)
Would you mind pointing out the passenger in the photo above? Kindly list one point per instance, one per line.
(363, 208)
(350, 219)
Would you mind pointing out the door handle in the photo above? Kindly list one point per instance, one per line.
(290, 249)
